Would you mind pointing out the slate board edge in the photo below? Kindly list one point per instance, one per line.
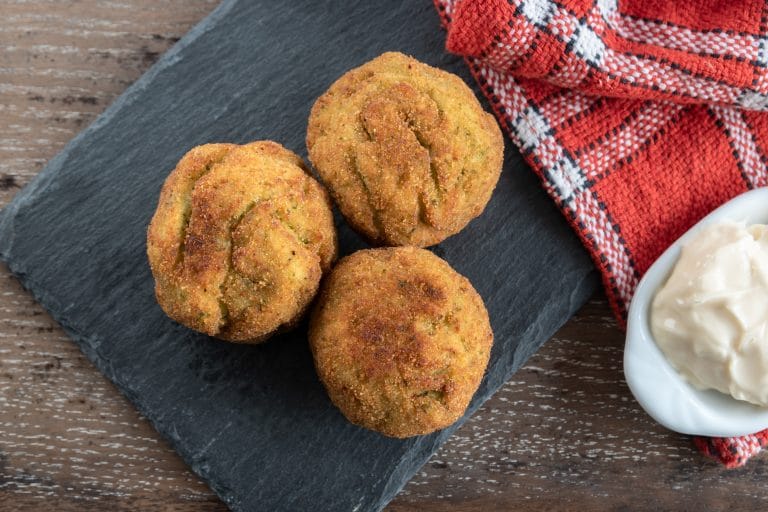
(578, 298)
(39, 182)
(105, 368)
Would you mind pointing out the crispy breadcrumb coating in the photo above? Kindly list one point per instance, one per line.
(240, 240)
(400, 340)
(406, 150)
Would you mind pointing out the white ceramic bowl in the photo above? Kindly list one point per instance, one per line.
(661, 391)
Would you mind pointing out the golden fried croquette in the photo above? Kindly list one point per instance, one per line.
(400, 340)
(406, 150)
(239, 241)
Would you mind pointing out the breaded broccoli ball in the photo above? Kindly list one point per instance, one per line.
(406, 151)
(240, 240)
(400, 340)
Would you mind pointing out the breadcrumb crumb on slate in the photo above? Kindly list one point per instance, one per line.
(240, 240)
(400, 340)
(406, 150)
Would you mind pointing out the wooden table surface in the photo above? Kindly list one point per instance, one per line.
(563, 434)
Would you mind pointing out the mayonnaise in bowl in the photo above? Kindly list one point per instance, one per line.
(669, 397)
(710, 318)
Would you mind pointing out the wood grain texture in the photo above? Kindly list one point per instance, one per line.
(563, 434)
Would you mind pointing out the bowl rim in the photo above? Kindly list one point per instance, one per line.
(659, 389)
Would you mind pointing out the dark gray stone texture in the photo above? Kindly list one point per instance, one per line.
(254, 421)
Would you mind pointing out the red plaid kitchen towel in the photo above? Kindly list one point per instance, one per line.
(640, 117)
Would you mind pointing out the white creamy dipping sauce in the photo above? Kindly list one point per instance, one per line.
(710, 319)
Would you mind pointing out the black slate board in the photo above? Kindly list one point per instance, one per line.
(253, 420)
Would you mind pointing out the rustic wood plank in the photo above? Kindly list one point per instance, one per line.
(564, 433)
